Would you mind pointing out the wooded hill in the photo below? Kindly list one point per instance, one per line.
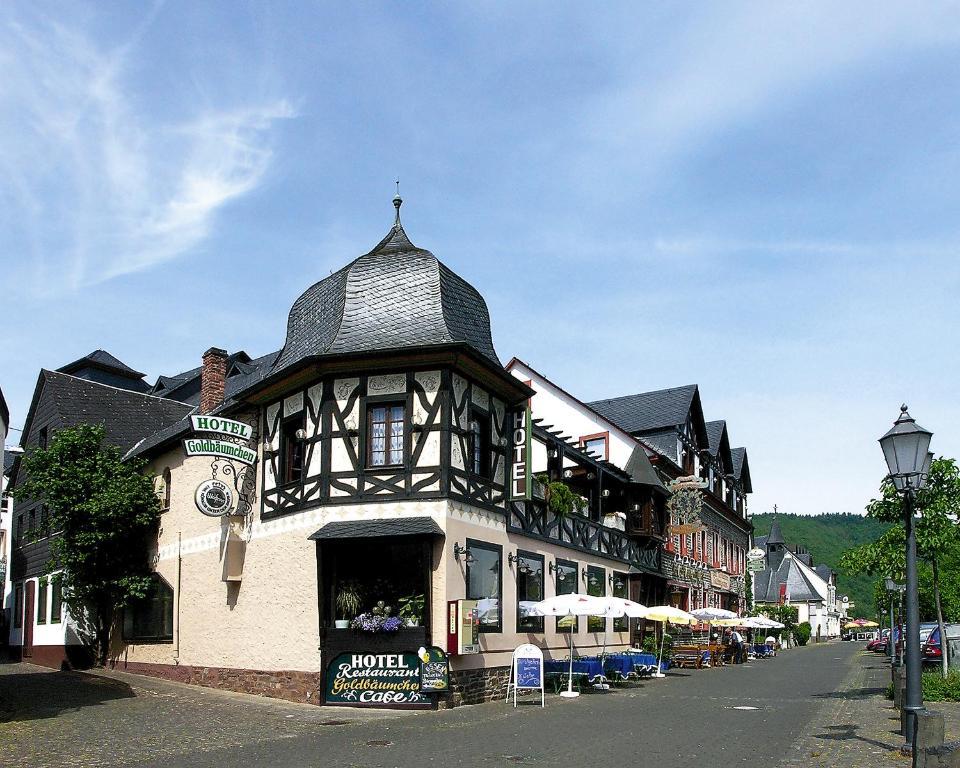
(825, 537)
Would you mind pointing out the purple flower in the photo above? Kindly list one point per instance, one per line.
(392, 624)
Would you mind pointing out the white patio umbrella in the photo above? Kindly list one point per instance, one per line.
(618, 607)
(713, 616)
(668, 615)
(573, 604)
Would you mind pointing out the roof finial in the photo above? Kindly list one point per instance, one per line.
(397, 202)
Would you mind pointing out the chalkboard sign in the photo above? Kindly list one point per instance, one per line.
(529, 673)
(434, 671)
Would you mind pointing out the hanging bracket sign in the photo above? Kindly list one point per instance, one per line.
(226, 427)
(202, 446)
(520, 443)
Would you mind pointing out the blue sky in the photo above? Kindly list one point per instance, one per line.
(760, 198)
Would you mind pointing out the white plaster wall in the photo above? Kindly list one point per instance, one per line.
(571, 416)
(62, 633)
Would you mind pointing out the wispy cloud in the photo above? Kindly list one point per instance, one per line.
(94, 186)
(734, 61)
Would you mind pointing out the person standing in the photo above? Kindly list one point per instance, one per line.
(736, 642)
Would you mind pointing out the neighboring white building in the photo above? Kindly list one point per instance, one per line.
(791, 578)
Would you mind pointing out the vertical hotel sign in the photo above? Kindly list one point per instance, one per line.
(520, 456)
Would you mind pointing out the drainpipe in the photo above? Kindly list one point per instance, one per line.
(176, 631)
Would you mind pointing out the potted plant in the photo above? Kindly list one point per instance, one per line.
(411, 609)
(347, 602)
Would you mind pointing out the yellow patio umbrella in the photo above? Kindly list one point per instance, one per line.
(856, 623)
(668, 614)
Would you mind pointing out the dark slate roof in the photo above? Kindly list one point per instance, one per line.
(714, 435)
(649, 411)
(760, 542)
(776, 535)
(741, 468)
(766, 583)
(244, 375)
(4, 413)
(389, 527)
(825, 572)
(101, 359)
(127, 416)
(664, 442)
(640, 469)
(8, 459)
(395, 296)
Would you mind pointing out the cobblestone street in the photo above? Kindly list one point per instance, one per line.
(819, 706)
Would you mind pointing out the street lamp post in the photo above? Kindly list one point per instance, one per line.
(891, 591)
(905, 448)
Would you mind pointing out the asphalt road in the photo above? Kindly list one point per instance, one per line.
(744, 715)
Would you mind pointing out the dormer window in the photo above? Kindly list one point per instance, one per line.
(597, 445)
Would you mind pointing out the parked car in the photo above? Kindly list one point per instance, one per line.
(932, 648)
(879, 644)
(925, 629)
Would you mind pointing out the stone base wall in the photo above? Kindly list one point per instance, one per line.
(302, 687)
(475, 686)
(60, 657)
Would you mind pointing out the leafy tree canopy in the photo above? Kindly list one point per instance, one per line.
(104, 511)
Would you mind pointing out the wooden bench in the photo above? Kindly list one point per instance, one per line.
(687, 656)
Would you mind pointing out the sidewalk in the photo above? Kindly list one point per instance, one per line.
(857, 727)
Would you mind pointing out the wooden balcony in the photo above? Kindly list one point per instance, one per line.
(532, 518)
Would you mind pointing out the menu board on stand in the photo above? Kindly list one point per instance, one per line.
(526, 672)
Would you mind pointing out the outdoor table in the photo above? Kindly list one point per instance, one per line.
(619, 662)
(641, 659)
(591, 667)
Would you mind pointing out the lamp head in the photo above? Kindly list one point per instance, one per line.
(905, 448)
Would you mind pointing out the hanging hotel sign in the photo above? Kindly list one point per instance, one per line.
(376, 680)
(520, 443)
(202, 446)
(226, 427)
(231, 490)
(214, 498)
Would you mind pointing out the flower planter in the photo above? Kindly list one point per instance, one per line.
(342, 623)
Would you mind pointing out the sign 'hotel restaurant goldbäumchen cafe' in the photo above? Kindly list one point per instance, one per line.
(344, 518)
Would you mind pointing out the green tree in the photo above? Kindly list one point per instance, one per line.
(105, 511)
(938, 537)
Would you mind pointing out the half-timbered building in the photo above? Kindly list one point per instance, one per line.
(705, 558)
(381, 463)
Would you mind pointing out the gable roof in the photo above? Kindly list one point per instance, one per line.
(127, 416)
(718, 444)
(800, 581)
(638, 464)
(741, 468)
(659, 414)
(102, 359)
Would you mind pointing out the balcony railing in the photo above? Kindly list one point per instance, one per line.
(532, 518)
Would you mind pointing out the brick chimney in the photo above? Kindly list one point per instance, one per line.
(213, 379)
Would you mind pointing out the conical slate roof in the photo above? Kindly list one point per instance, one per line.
(776, 536)
(396, 296)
